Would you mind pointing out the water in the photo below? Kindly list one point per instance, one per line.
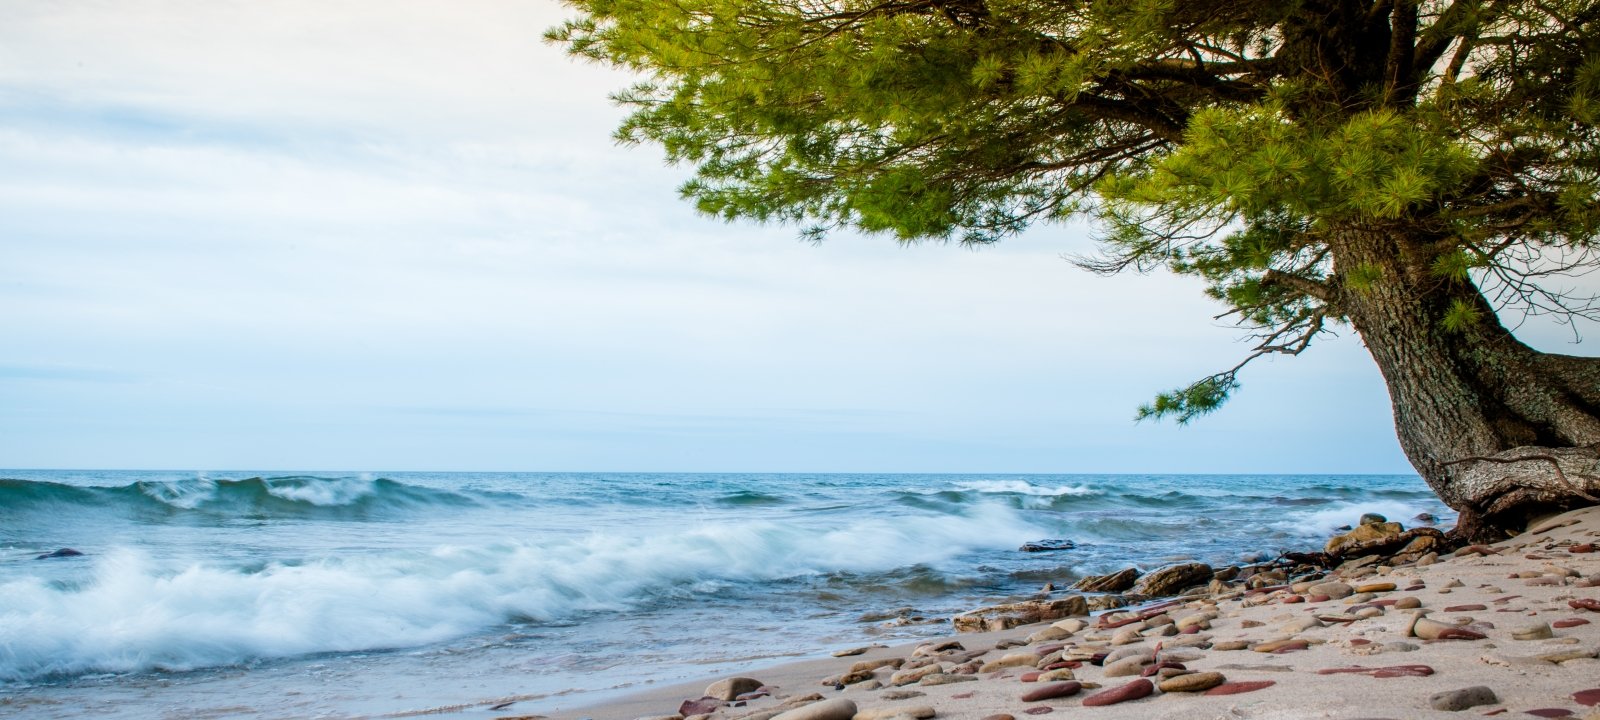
(270, 595)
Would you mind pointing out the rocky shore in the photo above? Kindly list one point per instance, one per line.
(1379, 625)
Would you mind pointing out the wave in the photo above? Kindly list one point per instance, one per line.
(259, 497)
(1023, 487)
(135, 614)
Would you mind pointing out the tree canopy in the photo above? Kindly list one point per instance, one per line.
(1316, 162)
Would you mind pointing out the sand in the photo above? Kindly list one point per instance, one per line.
(1511, 668)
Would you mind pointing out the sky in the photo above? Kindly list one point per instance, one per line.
(362, 236)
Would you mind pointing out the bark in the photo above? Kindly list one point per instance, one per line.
(1502, 432)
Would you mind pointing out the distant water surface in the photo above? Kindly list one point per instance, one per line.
(240, 594)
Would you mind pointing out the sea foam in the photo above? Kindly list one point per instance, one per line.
(135, 612)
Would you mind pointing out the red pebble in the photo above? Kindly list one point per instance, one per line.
(1321, 598)
(1506, 599)
(1360, 641)
(1158, 667)
(1132, 691)
(1291, 647)
(1234, 688)
(1585, 604)
(1069, 665)
(1550, 712)
(1460, 634)
(1569, 622)
(1491, 712)
(1053, 690)
(1403, 671)
(962, 696)
(1416, 587)
(1040, 710)
(1466, 608)
(1293, 599)
(1589, 697)
(1584, 548)
(1030, 676)
(1191, 630)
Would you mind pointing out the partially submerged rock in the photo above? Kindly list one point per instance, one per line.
(1005, 617)
(1118, 581)
(1049, 545)
(1172, 579)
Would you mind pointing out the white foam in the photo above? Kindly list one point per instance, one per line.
(326, 492)
(1322, 522)
(138, 614)
(1023, 487)
(187, 494)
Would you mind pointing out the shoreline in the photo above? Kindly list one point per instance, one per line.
(1522, 587)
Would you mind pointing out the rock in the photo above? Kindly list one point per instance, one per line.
(63, 552)
(1010, 661)
(944, 679)
(1001, 716)
(1569, 623)
(1281, 646)
(1172, 579)
(1231, 645)
(1193, 682)
(1362, 535)
(901, 694)
(1587, 697)
(1551, 524)
(911, 675)
(1054, 690)
(1127, 666)
(1452, 700)
(1114, 582)
(730, 688)
(1407, 603)
(1375, 587)
(1372, 519)
(699, 707)
(1425, 519)
(1536, 631)
(1201, 620)
(1335, 590)
(835, 709)
(1132, 691)
(1234, 688)
(852, 651)
(894, 711)
(1005, 617)
(1048, 545)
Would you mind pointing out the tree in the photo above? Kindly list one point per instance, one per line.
(1422, 171)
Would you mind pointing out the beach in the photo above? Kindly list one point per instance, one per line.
(1508, 629)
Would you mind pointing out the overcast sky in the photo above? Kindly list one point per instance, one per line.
(391, 235)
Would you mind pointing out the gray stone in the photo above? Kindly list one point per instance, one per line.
(893, 711)
(1464, 698)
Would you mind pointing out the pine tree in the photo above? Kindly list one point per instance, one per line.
(1423, 172)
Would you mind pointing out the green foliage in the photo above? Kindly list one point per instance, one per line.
(1187, 403)
(1239, 141)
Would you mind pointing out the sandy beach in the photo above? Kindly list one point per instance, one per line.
(1508, 629)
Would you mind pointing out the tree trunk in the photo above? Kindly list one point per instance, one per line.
(1502, 432)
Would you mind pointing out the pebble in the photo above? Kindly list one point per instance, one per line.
(1131, 691)
(852, 651)
(894, 711)
(1466, 608)
(1193, 682)
(1464, 698)
(901, 694)
(1232, 645)
(1047, 692)
(1549, 712)
(1281, 646)
(1390, 671)
(1040, 710)
(1127, 666)
(999, 716)
(1234, 688)
(1335, 590)
(730, 688)
(835, 709)
(944, 679)
(1587, 697)
(1538, 631)
(1569, 623)
(1407, 603)
(1375, 587)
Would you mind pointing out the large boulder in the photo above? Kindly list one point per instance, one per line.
(1115, 582)
(1005, 617)
(1366, 534)
(1172, 579)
